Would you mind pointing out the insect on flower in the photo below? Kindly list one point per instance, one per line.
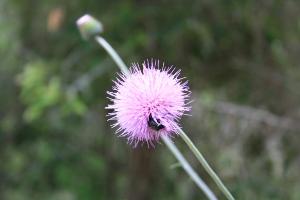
(155, 124)
(148, 102)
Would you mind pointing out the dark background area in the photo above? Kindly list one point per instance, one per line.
(241, 58)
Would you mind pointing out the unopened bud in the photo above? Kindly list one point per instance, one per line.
(89, 27)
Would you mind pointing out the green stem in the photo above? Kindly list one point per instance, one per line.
(186, 166)
(114, 55)
(205, 164)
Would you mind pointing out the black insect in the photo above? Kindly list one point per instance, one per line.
(155, 123)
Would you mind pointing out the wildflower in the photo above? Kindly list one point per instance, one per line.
(148, 102)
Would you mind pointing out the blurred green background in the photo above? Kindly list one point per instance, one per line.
(240, 56)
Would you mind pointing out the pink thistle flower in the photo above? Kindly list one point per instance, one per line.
(148, 102)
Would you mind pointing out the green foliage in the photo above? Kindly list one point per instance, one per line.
(37, 92)
(40, 92)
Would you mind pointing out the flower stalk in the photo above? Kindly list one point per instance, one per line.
(187, 167)
(205, 164)
(113, 54)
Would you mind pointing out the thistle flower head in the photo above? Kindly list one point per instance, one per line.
(148, 102)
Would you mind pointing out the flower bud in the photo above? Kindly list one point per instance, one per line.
(89, 27)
